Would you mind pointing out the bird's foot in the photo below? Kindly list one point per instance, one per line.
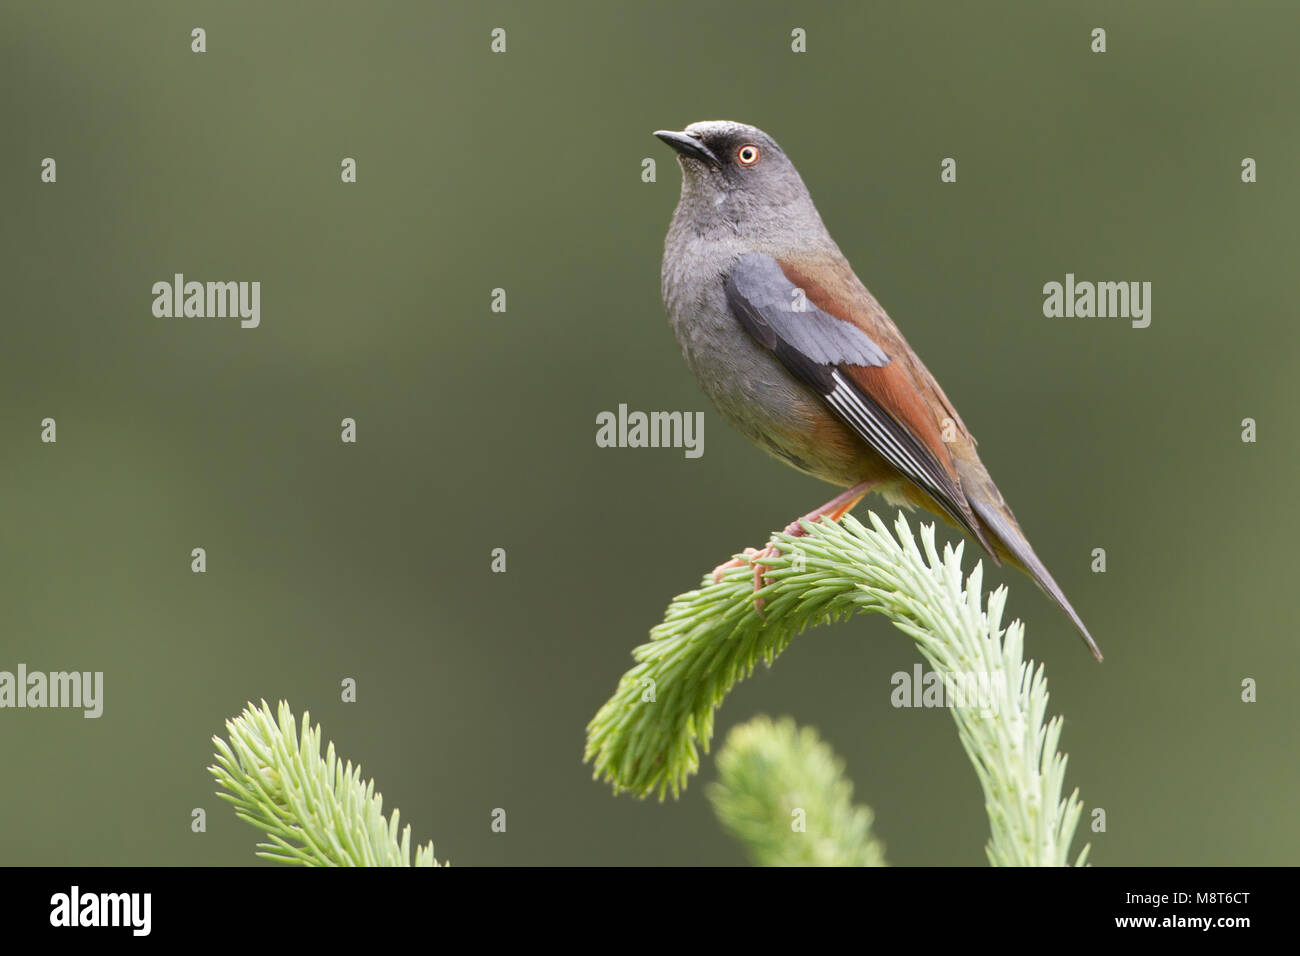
(750, 556)
(754, 558)
(834, 509)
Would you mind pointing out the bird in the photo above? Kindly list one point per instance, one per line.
(797, 355)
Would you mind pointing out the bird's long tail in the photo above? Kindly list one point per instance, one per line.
(993, 512)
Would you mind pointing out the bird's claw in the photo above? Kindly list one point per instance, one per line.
(753, 557)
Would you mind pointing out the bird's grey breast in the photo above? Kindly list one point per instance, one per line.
(746, 384)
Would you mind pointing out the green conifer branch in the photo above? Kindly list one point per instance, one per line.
(646, 738)
(315, 810)
(782, 792)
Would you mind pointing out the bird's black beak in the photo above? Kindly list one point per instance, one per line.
(688, 144)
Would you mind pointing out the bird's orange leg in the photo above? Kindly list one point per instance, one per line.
(834, 509)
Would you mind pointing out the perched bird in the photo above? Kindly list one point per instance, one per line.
(797, 355)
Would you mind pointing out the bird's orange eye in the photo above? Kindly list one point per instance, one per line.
(748, 155)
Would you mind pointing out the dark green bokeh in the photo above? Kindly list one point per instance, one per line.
(476, 430)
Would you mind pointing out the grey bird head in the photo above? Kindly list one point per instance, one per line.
(735, 178)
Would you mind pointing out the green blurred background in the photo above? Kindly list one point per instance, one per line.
(477, 430)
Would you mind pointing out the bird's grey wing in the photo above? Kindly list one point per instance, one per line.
(813, 345)
(780, 317)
